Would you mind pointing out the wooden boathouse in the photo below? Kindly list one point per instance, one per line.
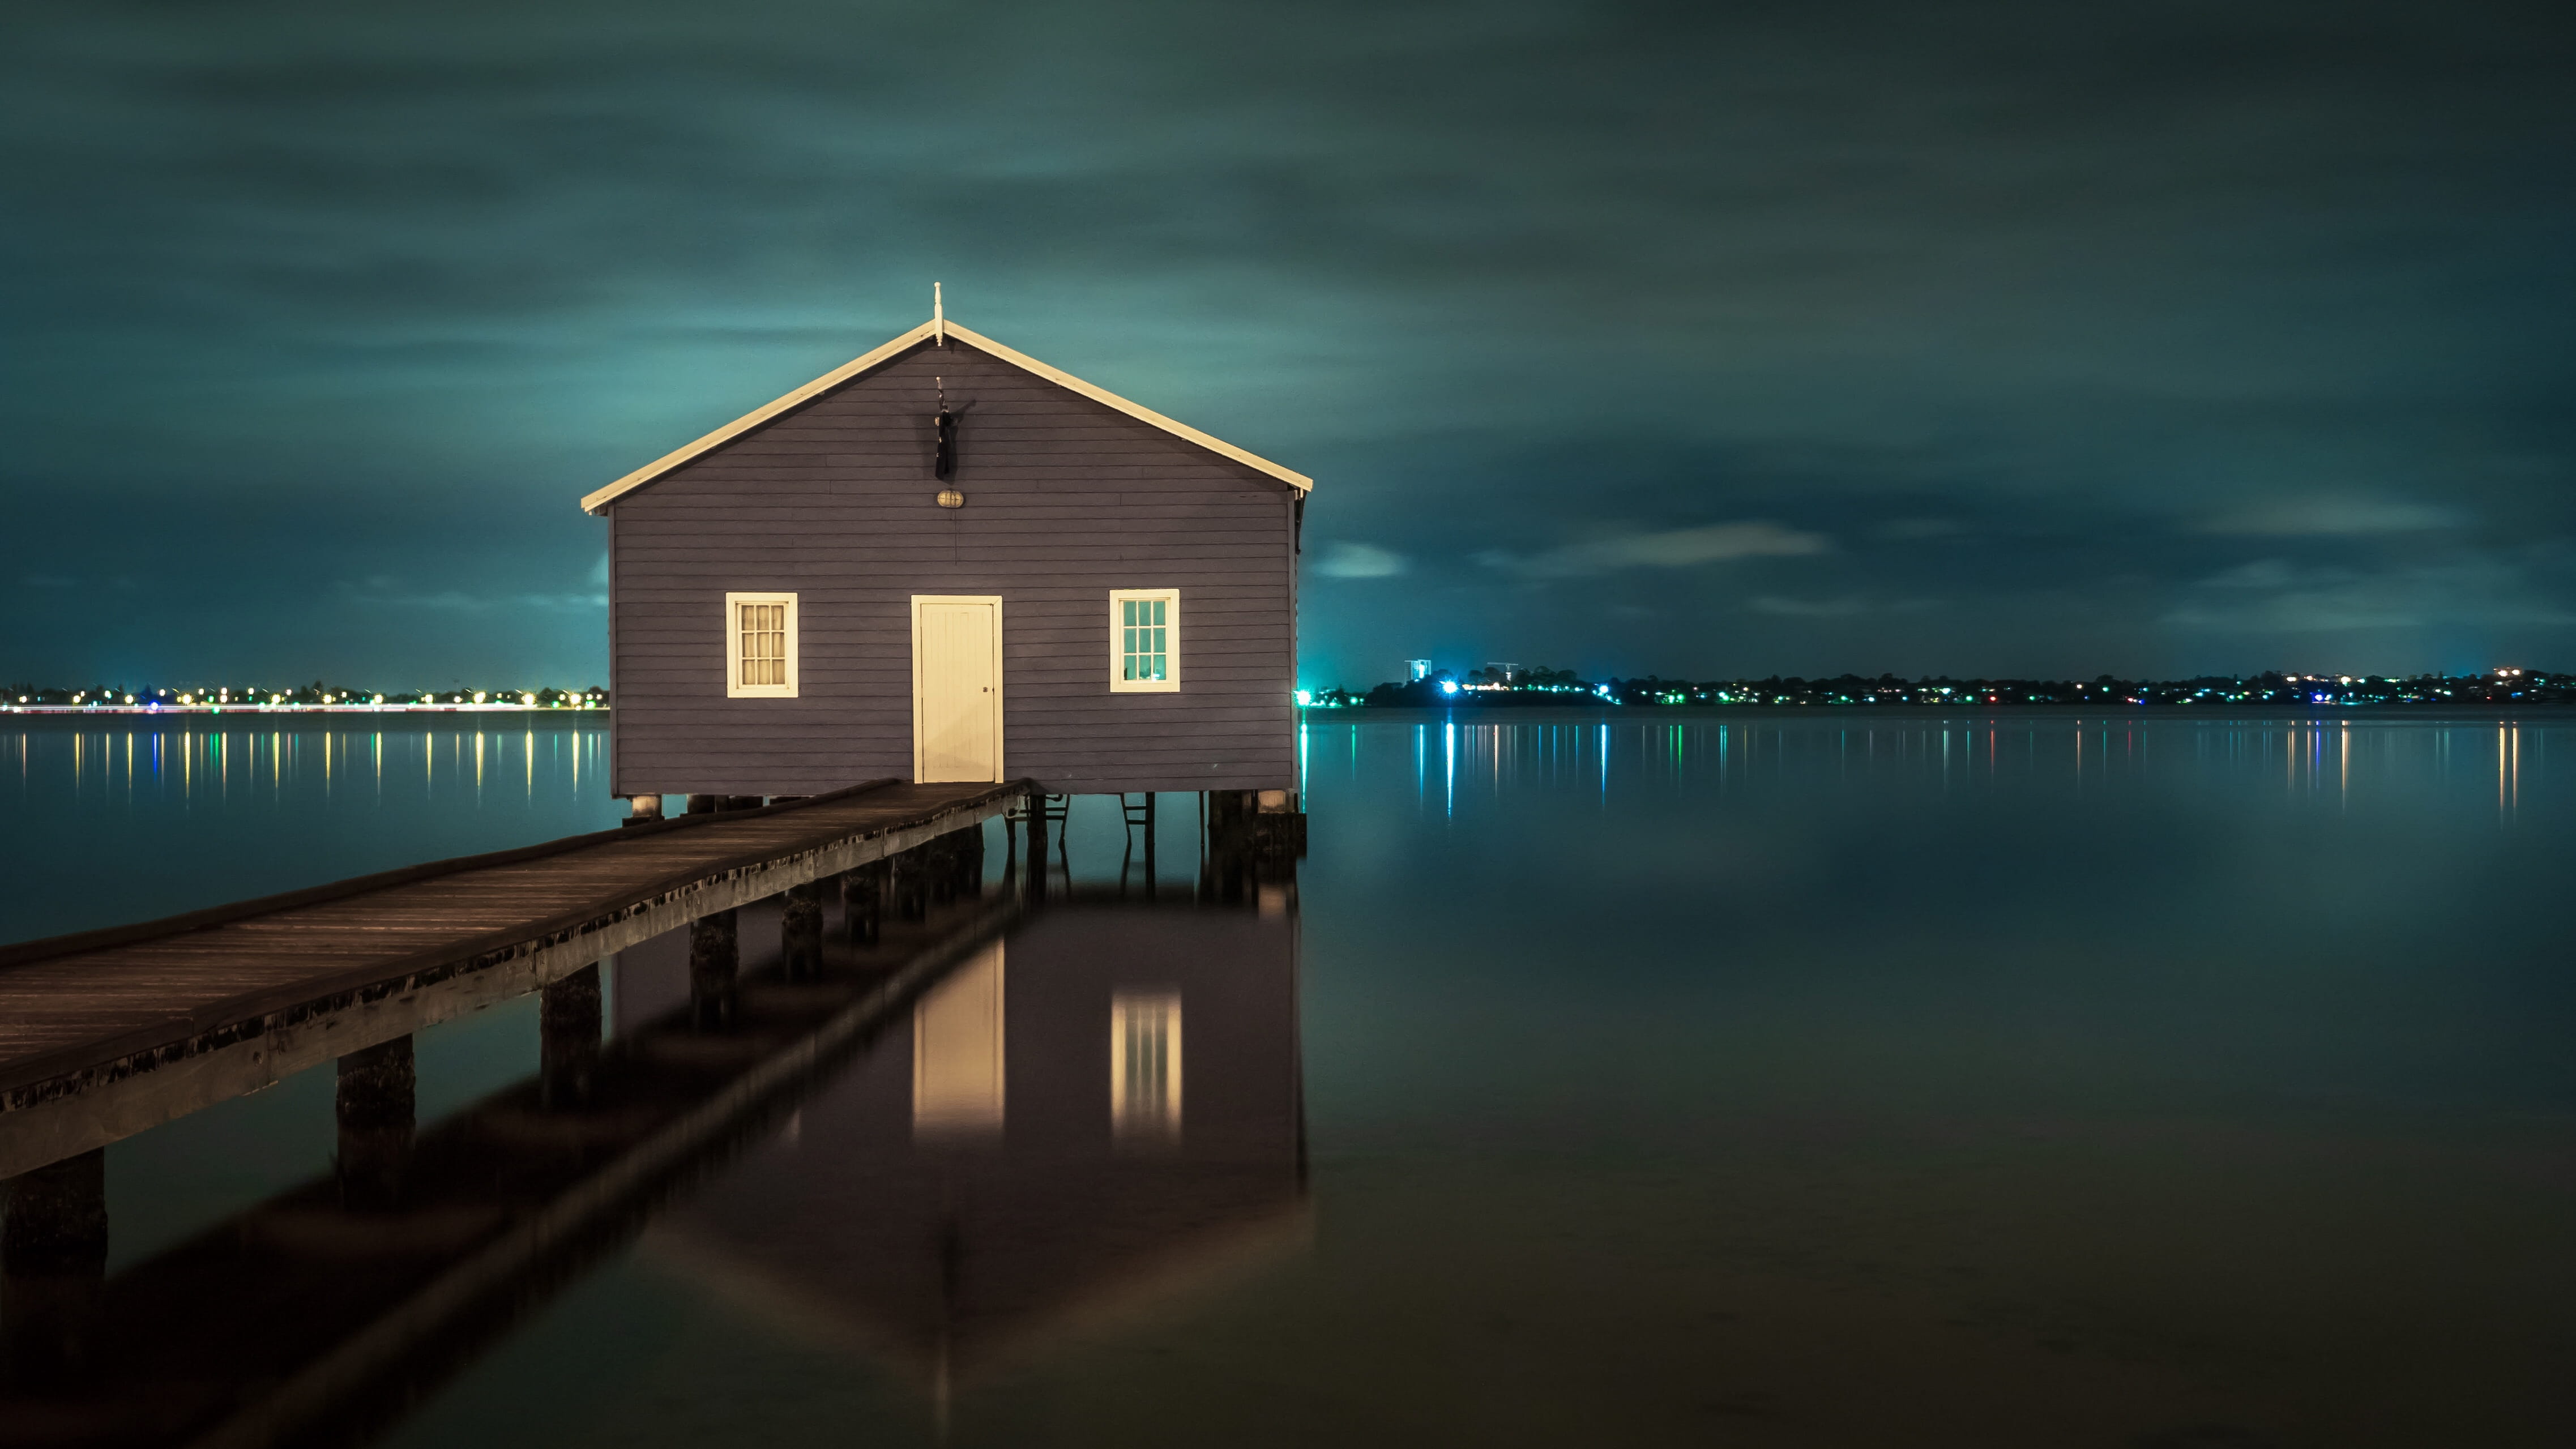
(948, 561)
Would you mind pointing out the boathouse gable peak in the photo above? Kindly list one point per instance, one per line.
(934, 333)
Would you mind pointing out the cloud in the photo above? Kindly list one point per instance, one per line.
(1808, 608)
(379, 592)
(2332, 517)
(2043, 269)
(2273, 596)
(1672, 549)
(1360, 561)
(1915, 528)
(2262, 573)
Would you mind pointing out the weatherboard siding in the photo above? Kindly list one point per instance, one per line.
(1066, 499)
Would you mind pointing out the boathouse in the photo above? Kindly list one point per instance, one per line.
(949, 561)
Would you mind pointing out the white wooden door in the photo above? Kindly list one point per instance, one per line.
(956, 688)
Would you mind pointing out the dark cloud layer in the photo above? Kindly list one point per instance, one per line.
(1701, 339)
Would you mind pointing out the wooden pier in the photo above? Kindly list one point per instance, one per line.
(110, 1032)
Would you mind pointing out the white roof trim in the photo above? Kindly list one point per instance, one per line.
(928, 331)
(1138, 411)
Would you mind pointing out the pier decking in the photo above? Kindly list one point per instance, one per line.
(109, 1032)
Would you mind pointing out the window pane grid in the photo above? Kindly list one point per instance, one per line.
(1143, 628)
(763, 642)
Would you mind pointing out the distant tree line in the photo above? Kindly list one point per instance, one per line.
(1493, 688)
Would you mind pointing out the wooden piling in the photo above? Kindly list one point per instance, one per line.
(1035, 883)
(568, 1042)
(939, 862)
(55, 1219)
(863, 894)
(911, 888)
(800, 931)
(377, 1091)
(53, 1268)
(715, 963)
(1149, 845)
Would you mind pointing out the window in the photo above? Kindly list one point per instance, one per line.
(1145, 639)
(760, 646)
(1145, 1066)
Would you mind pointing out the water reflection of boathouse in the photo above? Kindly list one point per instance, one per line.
(1083, 1121)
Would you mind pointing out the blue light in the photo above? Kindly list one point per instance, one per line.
(1448, 686)
(1305, 696)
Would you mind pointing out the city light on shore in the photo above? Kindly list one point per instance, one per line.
(310, 699)
(1512, 684)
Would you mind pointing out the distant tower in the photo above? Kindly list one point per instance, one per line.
(1420, 669)
(1503, 673)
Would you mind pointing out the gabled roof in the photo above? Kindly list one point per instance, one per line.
(927, 331)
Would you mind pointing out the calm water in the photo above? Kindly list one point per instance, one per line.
(1800, 1080)
(116, 824)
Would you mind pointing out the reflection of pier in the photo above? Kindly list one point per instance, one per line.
(109, 1032)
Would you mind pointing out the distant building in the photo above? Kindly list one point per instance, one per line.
(1419, 669)
(1502, 673)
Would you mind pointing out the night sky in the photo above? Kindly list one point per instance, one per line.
(1706, 340)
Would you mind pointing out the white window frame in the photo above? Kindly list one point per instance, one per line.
(1171, 681)
(734, 687)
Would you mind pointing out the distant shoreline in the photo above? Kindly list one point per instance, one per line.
(1645, 713)
(150, 711)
